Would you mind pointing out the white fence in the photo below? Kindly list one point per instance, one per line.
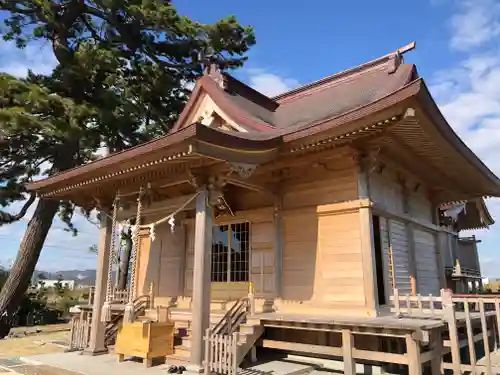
(80, 332)
(221, 353)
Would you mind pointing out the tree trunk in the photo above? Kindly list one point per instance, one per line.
(125, 261)
(19, 278)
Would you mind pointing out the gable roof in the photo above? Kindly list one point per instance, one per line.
(300, 107)
(324, 111)
(474, 214)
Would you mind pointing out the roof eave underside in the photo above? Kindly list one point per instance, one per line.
(193, 141)
(447, 131)
(303, 138)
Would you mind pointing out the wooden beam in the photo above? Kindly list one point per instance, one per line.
(304, 348)
(367, 355)
(248, 185)
(290, 160)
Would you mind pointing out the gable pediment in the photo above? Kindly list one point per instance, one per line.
(206, 111)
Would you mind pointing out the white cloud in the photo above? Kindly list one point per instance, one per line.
(476, 22)
(269, 83)
(37, 56)
(469, 97)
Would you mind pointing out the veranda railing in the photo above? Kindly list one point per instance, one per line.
(473, 327)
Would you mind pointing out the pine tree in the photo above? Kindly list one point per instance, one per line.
(122, 70)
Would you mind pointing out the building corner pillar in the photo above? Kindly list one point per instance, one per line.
(98, 329)
(367, 238)
(201, 278)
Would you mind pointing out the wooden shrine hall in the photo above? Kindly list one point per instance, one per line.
(286, 222)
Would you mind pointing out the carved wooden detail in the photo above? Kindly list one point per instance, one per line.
(244, 170)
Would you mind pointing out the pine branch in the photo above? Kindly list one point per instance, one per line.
(7, 218)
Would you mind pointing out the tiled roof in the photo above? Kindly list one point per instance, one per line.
(325, 99)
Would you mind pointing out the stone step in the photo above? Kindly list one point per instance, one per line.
(180, 351)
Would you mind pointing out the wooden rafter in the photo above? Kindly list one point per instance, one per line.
(411, 161)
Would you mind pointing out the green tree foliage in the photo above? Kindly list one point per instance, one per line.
(121, 75)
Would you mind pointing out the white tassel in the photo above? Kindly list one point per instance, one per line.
(106, 313)
(171, 222)
(128, 315)
(152, 233)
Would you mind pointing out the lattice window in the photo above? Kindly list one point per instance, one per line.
(231, 253)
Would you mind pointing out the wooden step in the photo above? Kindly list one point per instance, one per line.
(180, 351)
(187, 342)
(180, 356)
(248, 329)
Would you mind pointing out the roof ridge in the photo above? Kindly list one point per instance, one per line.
(356, 69)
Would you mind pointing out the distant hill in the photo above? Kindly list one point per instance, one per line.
(86, 277)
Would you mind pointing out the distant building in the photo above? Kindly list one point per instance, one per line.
(83, 286)
(70, 284)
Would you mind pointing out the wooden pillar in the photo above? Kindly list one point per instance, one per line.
(278, 243)
(412, 258)
(98, 329)
(367, 241)
(410, 237)
(347, 347)
(476, 255)
(436, 344)
(201, 277)
(414, 357)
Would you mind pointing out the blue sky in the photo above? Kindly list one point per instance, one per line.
(458, 54)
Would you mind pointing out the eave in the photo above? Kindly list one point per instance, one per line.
(193, 141)
(394, 112)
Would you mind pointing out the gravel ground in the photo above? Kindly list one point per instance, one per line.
(32, 344)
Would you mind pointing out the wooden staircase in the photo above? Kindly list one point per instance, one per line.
(238, 331)
(222, 322)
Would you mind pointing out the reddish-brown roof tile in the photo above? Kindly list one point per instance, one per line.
(339, 96)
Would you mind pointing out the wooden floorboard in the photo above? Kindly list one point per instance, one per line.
(389, 322)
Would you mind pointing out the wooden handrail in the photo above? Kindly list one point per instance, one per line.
(234, 313)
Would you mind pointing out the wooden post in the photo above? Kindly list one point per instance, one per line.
(470, 337)
(201, 276)
(151, 294)
(486, 342)
(347, 346)
(367, 241)
(396, 302)
(251, 297)
(206, 362)
(97, 332)
(234, 352)
(278, 244)
(412, 258)
(437, 349)
(449, 315)
(413, 352)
